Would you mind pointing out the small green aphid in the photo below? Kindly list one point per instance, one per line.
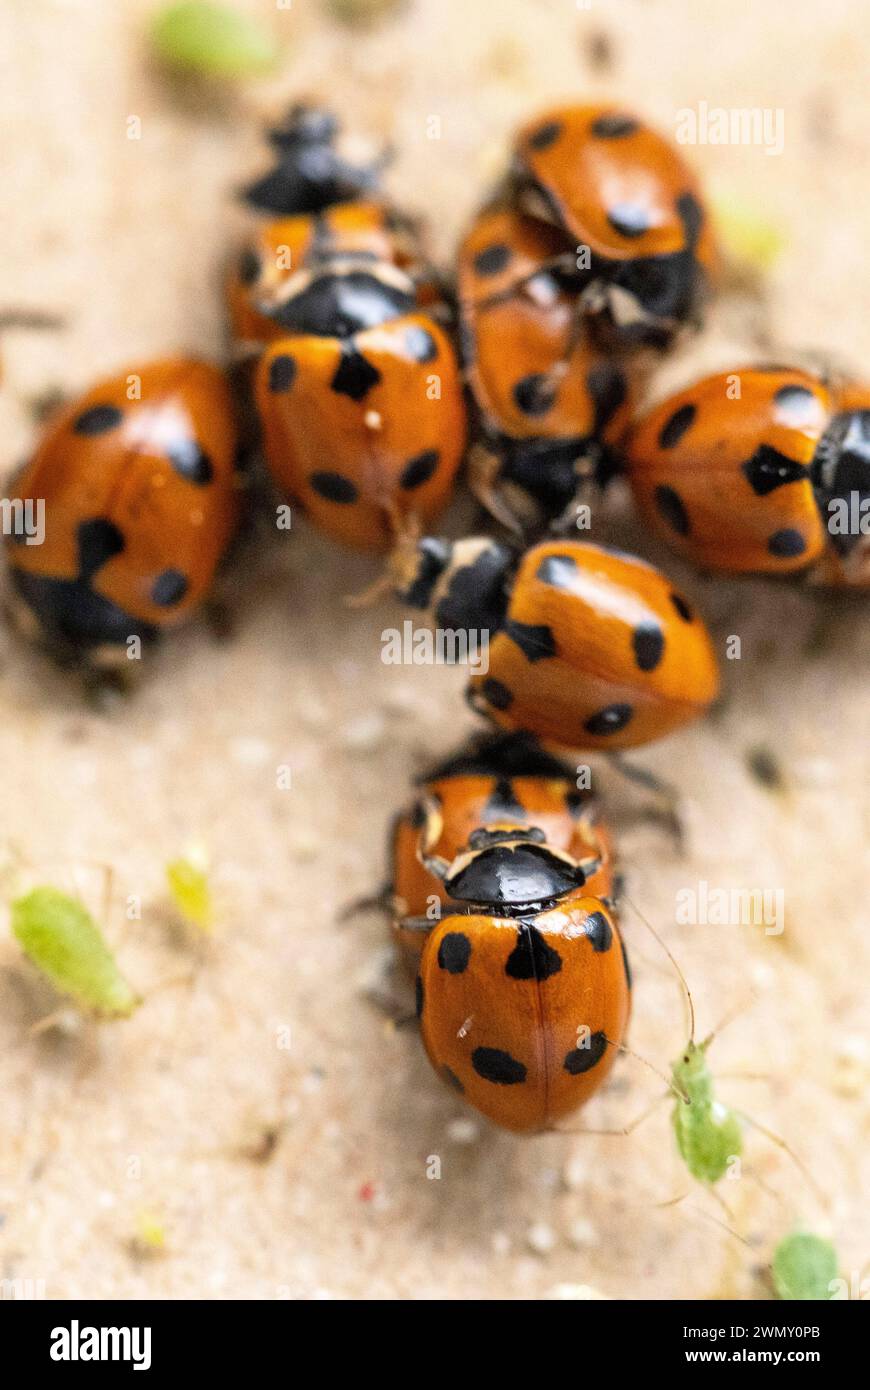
(804, 1267)
(187, 878)
(61, 938)
(708, 1134)
(212, 40)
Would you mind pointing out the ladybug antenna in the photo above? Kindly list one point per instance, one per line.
(687, 993)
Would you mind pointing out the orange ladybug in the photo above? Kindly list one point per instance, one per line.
(279, 262)
(552, 407)
(363, 414)
(754, 471)
(588, 647)
(613, 185)
(496, 777)
(138, 482)
(523, 990)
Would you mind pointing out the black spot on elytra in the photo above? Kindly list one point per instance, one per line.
(609, 720)
(558, 570)
(354, 376)
(581, 1059)
(599, 932)
(768, 469)
(648, 642)
(787, 543)
(676, 425)
(492, 259)
(532, 958)
(282, 372)
(607, 388)
(535, 641)
(613, 126)
(682, 608)
(496, 693)
(629, 219)
(190, 461)
(97, 541)
(419, 344)
(452, 1079)
(334, 487)
(98, 419)
(418, 996)
(420, 469)
(454, 952)
(535, 394)
(672, 509)
(545, 136)
(796, 406)
(169, 588)
(499, 1067)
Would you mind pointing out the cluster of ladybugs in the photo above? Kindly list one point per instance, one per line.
(593, 253)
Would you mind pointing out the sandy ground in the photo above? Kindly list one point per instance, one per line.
(271, 1120)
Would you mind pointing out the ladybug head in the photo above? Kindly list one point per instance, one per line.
(304, 125)
(510, 866)
(312, 172)
(644, 300)
(840, 474)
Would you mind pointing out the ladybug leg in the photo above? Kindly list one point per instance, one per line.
(666, 807)
(484, 470)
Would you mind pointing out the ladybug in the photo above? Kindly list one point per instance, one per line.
(588, 647)
(523, 990)
(285, 259)
(744, 471)
(552, 406)
(140, 502)
(311, 172)
(362, 409)
(496, 777)
(610, 183)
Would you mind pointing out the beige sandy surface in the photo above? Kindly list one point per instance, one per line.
(163, 1117)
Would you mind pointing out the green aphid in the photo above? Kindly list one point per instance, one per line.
(708, 1134)
(804, 1267)
(213, 40)
(61, 938)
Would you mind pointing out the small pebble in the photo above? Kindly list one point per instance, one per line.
(364, 734)
(463, 1131)
(574, 1173)
(541, 1238)
(582, 1234)
(249, 752)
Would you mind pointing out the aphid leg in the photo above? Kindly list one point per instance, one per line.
(667, 798)
(819, 1192)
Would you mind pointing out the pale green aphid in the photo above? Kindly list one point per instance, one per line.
(708, 1134)
(61, 938)
(213, 40)
(804, 1267)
